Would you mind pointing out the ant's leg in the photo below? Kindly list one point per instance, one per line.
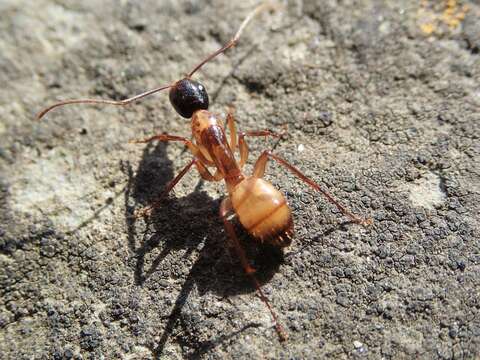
(146, 211)
(166, 137)
(206, 174)
(242, 144)
(226, 212)
(259, 171)
(232, 129)
(243, 147)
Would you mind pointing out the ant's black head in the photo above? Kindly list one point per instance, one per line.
(188, 96)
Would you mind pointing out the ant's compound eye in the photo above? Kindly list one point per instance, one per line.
(188, 96)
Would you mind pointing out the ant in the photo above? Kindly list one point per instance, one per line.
(259, 207)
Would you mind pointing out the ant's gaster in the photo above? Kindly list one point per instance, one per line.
(260, 208)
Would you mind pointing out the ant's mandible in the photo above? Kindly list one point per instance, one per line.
(260, 208)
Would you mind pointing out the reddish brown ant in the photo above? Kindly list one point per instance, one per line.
(260, 208)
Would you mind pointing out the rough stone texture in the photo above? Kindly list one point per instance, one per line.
(384, 116)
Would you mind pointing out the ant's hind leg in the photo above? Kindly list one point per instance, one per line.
(259, 171)
(226, 213)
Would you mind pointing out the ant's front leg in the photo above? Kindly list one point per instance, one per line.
(232, 129)
(259, 171)
(166, 137)
(226, 213)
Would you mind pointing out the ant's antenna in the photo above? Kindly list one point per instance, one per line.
(234, 40)
(101, 101)
(124, 102)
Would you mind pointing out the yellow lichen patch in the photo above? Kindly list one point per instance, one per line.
(454, 13)
(428, 28)
(440, 17)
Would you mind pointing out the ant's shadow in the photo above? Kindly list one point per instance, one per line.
(187, 223)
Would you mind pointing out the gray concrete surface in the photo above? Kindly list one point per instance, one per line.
(382, 101)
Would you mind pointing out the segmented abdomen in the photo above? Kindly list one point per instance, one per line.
(263, 211)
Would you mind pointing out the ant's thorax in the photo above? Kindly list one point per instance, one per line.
(209, 134)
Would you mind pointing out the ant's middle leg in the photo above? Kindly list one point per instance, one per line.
(259, 171)
(146, 211)
(242, 144)
(204, 173)
(226, 212)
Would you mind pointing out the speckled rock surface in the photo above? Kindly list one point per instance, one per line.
(382, 104)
